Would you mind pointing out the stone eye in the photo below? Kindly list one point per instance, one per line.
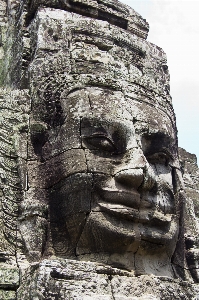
(161, 157)
(101, 142)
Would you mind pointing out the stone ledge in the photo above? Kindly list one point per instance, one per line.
(114, 12)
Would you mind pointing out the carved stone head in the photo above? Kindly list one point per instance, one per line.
(98, 158)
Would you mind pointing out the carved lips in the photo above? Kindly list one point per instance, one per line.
(128, 205)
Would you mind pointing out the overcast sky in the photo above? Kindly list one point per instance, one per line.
(174, 26)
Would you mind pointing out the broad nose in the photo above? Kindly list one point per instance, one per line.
(135, 171)
(132, 178)
(143, 178)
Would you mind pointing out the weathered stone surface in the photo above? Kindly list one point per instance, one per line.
(9, 276)
(67, 279)
(93, 203)
(7, 295)
(190, 173)
(112, 11)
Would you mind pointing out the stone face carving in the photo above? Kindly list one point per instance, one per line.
(103, 157)
(92, 190)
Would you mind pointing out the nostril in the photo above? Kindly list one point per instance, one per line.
(130, 177)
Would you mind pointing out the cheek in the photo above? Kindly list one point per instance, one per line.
(52, 171)
(71, 196)
(69, 205)
(165, 192)
(164, 174)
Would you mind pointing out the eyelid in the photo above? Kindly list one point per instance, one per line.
(164, 152)
(104, 136)
(99, 134)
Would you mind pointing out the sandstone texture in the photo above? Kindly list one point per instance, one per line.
(190, 173)
(97, 201)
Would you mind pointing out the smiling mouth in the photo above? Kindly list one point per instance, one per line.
(143, 216)
(127, 205)
(123, 198)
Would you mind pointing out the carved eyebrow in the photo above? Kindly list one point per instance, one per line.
(104, 124)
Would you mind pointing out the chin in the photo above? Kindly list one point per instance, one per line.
(105, 233)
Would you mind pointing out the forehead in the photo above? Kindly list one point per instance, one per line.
(113, 106)
(74, 46)
(72, 52)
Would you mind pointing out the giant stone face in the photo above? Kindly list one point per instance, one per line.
(123, 203)
(102, 157)
(92, 201)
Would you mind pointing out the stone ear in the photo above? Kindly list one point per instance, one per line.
(39, 137)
